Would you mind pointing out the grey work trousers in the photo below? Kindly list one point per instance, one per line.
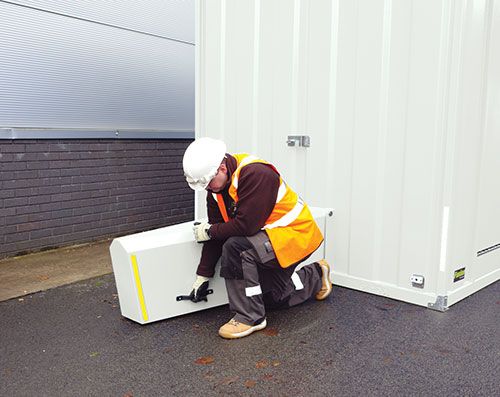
(255, 280)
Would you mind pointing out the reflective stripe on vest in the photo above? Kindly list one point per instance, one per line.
(290, 226)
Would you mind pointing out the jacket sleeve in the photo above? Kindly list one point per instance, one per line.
(258, 186)
(212, 249)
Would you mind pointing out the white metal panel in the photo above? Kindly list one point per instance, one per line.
(167, 18)
(61, 72)
(401, 101)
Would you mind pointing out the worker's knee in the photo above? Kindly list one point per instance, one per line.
(232, 250)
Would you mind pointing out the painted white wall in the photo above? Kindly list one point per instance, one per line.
(401, 100)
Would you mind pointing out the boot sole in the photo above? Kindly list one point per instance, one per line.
(325, 268)
(249, 331)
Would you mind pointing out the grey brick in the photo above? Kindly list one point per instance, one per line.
(61, 164)
(81, 227)
(14, 147)
(68, 155)
(26, 174)
(26, 227)
(20, 184)
(62, 230)
(91, 218)
(37, 165)
(49, 207)
(51, 223)
(14, 237)
(49, 190)
(99, 193)
(27, 157)
(71, 172)
(39, 216)
(28, 191)
(91, 210)
(30, 209)
(4, 193)
(62, 213)
(70, 188)
(109, 215)
(49, 173)
(79, 195)
(70, 220)
(37, 234)
(15, 202)
(14, 219)
(37, 147)
(61, 197)
(13, 166)
(48, 156)
(6, 157)
(57, 181)
(10, 230)
(39, 199)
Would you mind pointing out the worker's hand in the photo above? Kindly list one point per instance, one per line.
(200, 231)
(199, 289)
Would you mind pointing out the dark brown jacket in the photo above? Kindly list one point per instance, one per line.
(258, 186)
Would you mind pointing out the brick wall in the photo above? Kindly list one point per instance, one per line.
(62, 192)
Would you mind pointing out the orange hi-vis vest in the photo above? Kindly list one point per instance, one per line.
(291, 227)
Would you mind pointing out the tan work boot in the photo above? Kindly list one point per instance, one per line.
(326, 284)
(234, 329)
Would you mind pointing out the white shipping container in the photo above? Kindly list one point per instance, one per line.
(401, 103)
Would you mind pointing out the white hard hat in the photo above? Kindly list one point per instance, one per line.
(202, 160)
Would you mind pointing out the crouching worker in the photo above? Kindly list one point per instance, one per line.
(260, 228)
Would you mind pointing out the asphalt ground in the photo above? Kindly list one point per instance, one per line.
(72, 341)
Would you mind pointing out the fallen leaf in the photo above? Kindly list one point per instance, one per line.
(261, 364)
(94, 354)
(128, 394)
(250, 383)
(270, 331)
(276, 363)
(228, 381)
(43, 277)
(204, 360)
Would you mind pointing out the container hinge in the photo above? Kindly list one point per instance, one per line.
(441, 304)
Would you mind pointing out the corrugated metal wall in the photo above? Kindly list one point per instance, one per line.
(94, 64)
(401, 101)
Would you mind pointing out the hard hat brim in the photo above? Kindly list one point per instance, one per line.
(198, 186)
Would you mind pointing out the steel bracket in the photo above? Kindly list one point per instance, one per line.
(441, 304)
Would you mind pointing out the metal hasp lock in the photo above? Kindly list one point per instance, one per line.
(299, 140)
